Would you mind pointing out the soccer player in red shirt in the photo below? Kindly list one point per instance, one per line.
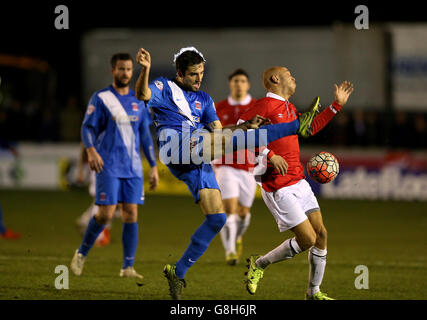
(233, 173)
(289, 196)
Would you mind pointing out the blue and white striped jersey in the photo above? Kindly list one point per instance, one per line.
(117, 126)
(175, 108)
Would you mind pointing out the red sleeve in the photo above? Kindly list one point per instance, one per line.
(270, 154)
(323, 118)
(261, 108)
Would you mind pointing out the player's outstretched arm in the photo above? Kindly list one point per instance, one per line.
(341, 94)
(254, 123)
(142, 91)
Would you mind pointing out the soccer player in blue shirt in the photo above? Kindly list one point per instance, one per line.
(6, 233)
(180, 112)
(115, 126)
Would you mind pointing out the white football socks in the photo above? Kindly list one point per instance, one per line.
(317, 264)
(242, 225)
(228, 233)
(286, 250)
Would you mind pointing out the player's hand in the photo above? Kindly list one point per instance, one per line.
(343, 92)
(95, 161)
(143, 58)
(256, 122)
(153, 178)
(279, 164)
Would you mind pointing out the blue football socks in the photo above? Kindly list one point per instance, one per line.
(92, 232)
(130, 243)
(2, 226)
(200, 241)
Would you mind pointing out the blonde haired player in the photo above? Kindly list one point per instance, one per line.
(289, 196)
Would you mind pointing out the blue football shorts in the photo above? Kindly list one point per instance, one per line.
(196, 177)
(188, 166)
(112, 190)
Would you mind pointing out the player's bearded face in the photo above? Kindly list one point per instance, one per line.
(192, 80)
(122, 73)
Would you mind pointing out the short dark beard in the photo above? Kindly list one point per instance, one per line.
(120, 84)
(184, 86)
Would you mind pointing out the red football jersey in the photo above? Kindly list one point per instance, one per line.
(279, 110)
(229, 112)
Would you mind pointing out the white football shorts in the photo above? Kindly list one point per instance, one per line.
(236, 183)
(291, 205)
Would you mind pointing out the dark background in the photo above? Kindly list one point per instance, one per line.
(28, 27)
(28, 30)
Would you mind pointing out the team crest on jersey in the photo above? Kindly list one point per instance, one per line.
(90, 109)
(280, 115)
(198, 105)
(135, 106)
(159, 84)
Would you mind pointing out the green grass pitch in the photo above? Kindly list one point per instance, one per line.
(387, 237)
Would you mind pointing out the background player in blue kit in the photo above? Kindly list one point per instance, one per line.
(7, 233)
(114, 128)
(180, 110)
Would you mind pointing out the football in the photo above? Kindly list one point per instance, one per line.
(323, 167)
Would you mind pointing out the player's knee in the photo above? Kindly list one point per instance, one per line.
(230, 205)
(322, 234)
(311, 241)
(242, 211)
(241, 215)
(307, 241)
(129, 217)
(102, 219)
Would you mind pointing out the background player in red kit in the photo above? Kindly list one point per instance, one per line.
(237, 184)
(289, 197)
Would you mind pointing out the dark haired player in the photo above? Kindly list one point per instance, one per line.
(180, 111)
(234, 174)
(113, 130)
